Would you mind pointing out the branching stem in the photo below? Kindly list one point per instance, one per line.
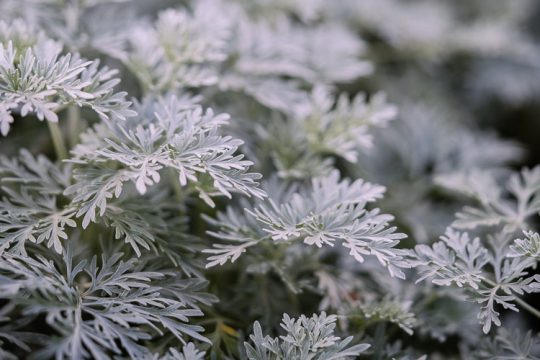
(520, 302)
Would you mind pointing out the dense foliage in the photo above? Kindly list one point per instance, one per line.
(269, 180)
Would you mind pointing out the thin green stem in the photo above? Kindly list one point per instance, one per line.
(178, 193)
(528, 307)
(519, 301)
(58, 140)
(74, 119)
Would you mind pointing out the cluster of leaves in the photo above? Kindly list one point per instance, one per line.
(327, 211)
(499, 269)
(137, 225)
(38, 79)
(305, 338)
(97, 310)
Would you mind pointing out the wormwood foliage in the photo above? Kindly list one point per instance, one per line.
(459, 260)
(167, 134)
(40, 81)
(499, 270)
(530, 246)
(267, 180)
(494, 207)
(98, 309)
(29, 210)
(322, 214)
(304, 338)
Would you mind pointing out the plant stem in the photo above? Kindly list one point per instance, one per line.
(58, 141)
(178, 193)
(519, 301)
(528, 307)
(74, 118)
